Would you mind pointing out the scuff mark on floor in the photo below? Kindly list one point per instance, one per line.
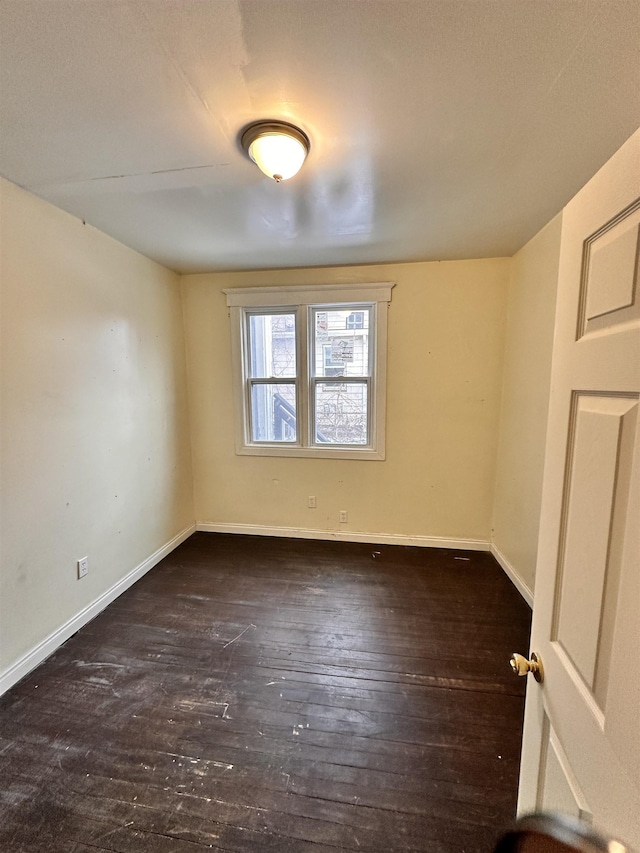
(239, 635)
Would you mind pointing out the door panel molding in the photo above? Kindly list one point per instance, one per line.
(612, 247)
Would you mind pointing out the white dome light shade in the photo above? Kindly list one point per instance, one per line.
(278, 156)
(278, 149)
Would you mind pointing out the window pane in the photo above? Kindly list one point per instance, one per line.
(341, 413)
(341, 342)
(272, 345)
(273, 412)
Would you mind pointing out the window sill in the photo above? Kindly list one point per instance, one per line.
(353, 453)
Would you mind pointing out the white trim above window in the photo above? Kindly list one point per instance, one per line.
(287, 401)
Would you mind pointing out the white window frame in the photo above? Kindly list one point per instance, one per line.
(242, 301)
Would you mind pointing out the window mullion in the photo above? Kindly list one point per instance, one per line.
(302, 378)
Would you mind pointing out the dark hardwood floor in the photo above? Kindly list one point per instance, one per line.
(254, 694)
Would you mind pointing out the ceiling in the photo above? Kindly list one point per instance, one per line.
(439, 128)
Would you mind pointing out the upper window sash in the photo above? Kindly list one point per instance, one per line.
(317, 362)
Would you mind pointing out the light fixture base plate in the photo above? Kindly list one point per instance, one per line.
(260, 128)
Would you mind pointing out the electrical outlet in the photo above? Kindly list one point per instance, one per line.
(83, 567)
(343, 516)
(311, 501)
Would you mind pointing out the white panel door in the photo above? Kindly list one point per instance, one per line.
(581, 750)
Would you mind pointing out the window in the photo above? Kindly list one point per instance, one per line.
(355, 320)
(309, 369)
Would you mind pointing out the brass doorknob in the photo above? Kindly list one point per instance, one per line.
(521, 666)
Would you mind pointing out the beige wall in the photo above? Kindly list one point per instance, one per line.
(446, 336)
(525, 399)
(95, 452)
(95, 445)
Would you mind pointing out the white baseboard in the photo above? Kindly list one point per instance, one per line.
(45, 648)
(525, 591)
(377, 539)
(346, 536)
(48, 646)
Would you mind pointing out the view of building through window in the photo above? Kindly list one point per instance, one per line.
(272, 355)
(341, 359)
(339, 376)
(309, 369)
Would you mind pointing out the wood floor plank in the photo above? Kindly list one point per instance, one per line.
(267, 694)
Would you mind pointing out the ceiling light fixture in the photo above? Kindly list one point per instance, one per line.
(277, 148)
